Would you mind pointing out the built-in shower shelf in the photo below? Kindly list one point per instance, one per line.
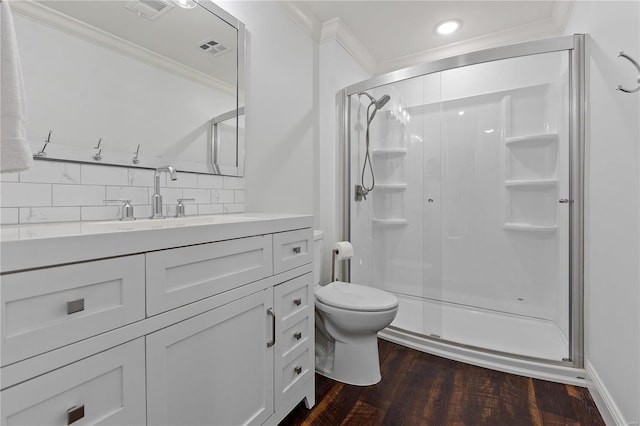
(390, 151)
(390, 222)
(392, 186)
(541, 139)
(515, 183)
(515, 226)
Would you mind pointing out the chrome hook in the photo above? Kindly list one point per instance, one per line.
(135, 159)
(98, 155)
(635, 64)
(41, 153)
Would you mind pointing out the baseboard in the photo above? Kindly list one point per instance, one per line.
(606, 405)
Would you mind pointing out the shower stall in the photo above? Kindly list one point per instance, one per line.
(475, 219)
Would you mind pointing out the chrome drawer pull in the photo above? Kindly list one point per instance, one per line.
(298, 370)
(297, 301)
(273, 328)
(297, 250)
(74, 414)
(75, 306)
(297, 335)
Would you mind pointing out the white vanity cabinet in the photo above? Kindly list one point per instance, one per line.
(229, 378)
(199, 330)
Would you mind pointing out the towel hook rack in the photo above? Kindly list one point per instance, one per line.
(635, 64)
(41, 153)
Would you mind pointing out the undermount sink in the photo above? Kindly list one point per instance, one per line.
(143, 224)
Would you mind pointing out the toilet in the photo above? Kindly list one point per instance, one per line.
(348, 318)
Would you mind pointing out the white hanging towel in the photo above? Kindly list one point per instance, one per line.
(15, 153)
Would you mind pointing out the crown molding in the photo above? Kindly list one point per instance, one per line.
(560, 14)
(54, 19)
(303, 16)
(532, 31)
(336, 29)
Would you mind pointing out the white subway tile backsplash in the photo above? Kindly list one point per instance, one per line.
(201, 196)
(15, 194)
(233, 208)
(210, 209)
(231, 182)
(222, 196)
(9, 216)
(78, 195)
(103, 175)
(54, 191)
(52, 172)
(137, 195)
(9, 177)
(143, 177)
(210, 181)
(142, 212)
(100, 212)
(169, 196)
(185, 180)
(49, 214)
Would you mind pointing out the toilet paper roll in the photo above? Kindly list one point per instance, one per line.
(345, 250)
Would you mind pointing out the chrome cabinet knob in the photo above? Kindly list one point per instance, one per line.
(298, 369)
(297, 301)
(563, 201)
(297, 335)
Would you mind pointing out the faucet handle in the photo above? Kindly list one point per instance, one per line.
(127, 209)
(180, 206)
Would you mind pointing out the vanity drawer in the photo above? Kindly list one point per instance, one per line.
(295, 336)
(107, 388)
(177, 277)
(293, 299)
(292, 249)
(49, 308)
(295, 373)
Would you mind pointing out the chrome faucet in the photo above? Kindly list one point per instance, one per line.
(156, 199)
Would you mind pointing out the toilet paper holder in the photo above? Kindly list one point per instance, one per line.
(342, 251)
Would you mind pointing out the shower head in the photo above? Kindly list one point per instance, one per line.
(382, 101)
(378, 104)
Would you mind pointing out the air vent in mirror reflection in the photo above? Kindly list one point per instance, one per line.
(213, 47)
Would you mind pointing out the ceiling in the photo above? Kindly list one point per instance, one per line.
(398, 33)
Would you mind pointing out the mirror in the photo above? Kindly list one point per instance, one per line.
(133, 83)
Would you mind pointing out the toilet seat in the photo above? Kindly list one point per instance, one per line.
(355, 297)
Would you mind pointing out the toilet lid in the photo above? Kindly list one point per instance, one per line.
(355, 297)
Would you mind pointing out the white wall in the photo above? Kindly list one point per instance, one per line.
(612, 306)
(281, 113)
(338, 69)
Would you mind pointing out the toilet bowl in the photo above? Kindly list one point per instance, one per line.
(348, 319)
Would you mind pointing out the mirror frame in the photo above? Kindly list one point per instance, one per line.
(69, 153)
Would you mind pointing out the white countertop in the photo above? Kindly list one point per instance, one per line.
(39, 245)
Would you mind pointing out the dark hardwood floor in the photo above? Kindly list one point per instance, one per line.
(422, 389)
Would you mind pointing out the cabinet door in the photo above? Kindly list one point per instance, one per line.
(184, 275)
(105, 389)
(215, 368)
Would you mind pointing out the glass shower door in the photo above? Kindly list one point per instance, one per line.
(504, 139)
(468, 223)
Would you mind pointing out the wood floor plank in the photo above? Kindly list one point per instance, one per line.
(423, 389)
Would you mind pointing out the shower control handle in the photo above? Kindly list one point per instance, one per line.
(563, 201)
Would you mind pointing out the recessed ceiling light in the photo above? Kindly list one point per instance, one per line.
(187, 4)
(448, 27)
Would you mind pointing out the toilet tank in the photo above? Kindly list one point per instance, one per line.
(317, 255)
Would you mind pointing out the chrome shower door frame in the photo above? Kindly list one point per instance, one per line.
(575, 46)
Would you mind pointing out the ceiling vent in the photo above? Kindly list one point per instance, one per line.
(212, 47)
(150, 9)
